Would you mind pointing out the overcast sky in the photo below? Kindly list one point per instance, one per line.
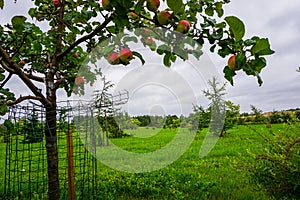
(165, 91)
(278, 21)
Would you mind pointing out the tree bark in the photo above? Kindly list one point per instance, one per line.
(51, 139)
(52, 153)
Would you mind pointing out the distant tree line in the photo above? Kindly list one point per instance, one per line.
(115, 123)
(275, 117)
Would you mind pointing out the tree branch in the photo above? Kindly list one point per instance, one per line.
(288, 148)
(36, 78)
(20, 99)
(7, 79)
(84, 38)
(15, 67)
(10, 70)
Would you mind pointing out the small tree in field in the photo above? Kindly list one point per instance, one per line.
(231, 116)
(47, 59)
(258, 116)
(33, 131)
(200, 118)
(216, 95)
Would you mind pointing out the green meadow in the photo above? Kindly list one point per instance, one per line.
(222, 174)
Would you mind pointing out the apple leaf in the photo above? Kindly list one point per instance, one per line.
(3, 109)
(130, 39)
(1, 4)
(209, 11)
(258, 64)
(139, 6)
(229, 74)
(219, 9)
(236, 26)
(139, 56)
(163, 48)
(197, 53)
(18, 23)
(259, 80)
(240, 60)
(176, 5)
(249, 42)
(167, 59)
(2, 77)
(108, 49)
(261, 47)
(10, 127)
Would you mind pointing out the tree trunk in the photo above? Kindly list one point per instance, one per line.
(52, 153)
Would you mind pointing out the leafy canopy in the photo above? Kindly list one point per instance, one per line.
(50, 45)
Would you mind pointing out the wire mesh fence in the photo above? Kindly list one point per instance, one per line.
(26, 174)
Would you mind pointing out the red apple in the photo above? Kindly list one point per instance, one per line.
(75, 55)
(231, 62)
(133, 15)
(113, 58)
(39, 16)
(21, 62)
(125, 55)
(163, 17)
(183, 26)
(56, 2)
(79, 80)
(145, 32)
(149, 41)
(106, 4)
(153, 5)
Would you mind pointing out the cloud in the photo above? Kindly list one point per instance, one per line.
(276, 20)
(11, 9)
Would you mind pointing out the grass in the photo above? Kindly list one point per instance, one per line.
(222, 174)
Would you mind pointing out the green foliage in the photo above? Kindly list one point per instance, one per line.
(40, 56)
(297, 114)
(10, 127)
(172, 122)
(216, 96)
(176, 5)
(220, 175)
(4, 133)
(103, 101)
(237, 27)
(72, 28)
(109, 124)
(231, 116)
(281, 117)
(200, 118)
(143, 120)
(156, 185)
(258, 117)
(33, 130)
(277, 168)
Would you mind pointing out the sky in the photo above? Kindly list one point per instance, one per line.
(164, 91)
(278, 21)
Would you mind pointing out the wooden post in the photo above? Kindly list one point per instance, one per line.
(71, 182)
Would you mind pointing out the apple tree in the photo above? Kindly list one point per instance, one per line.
(48, 46)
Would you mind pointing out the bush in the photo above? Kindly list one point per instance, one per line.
(33, 129)
(277, 168)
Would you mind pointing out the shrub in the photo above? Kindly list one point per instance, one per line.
(277, 168)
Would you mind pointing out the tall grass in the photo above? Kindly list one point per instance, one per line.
(222, 174)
